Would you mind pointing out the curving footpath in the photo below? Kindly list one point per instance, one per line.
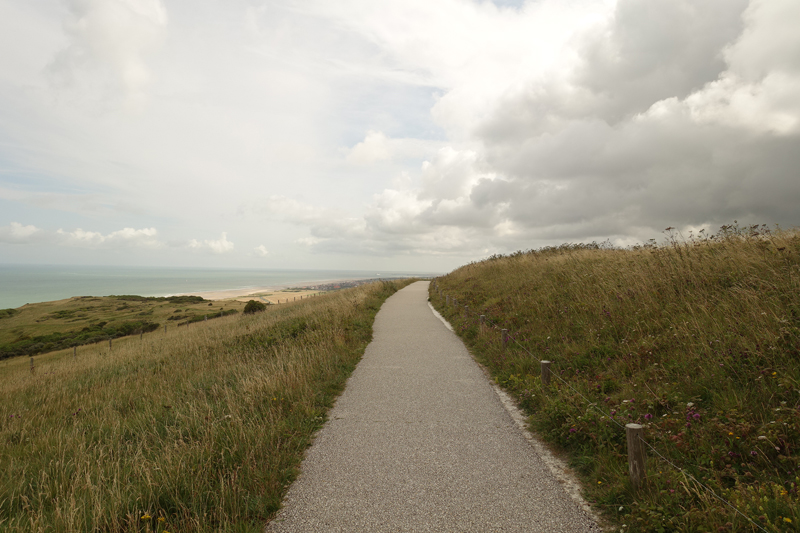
(419, 441)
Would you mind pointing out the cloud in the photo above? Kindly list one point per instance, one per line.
(261, 251)
(108, 43)
(377, 147)
(16, 233)
(124, 238)
(219, 246)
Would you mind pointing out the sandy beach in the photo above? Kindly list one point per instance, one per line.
(278, 293)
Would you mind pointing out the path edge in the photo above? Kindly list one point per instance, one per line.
(558, 467)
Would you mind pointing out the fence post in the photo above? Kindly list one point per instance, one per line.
(447, 300)
(165, 329)
(545, 372)
(32, 369)
(466, 311)
(504, 338)
(74, 352)
(482, 321)
(141, 335)
(636, 456)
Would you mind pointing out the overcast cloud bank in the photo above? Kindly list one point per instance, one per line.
(409, 134)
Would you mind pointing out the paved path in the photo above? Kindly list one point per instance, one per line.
(419, 441)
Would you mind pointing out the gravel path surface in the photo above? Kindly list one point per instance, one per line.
(419, 441)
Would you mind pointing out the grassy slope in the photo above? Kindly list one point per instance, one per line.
(699, 341)
(203, 427)
(74, 314)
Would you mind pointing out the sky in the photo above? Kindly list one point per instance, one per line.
(393, 135)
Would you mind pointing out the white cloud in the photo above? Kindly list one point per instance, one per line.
(109, 40)
(377, 147)
(124, 238)
(261, 251)
(219, 246)
(16, 233)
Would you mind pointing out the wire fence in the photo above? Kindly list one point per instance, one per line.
(505, 336)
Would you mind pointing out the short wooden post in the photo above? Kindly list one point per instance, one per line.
(636, 455)
(165, 329)
(33, 371)
(504, 338)
(447, 300)
(466, 311)
(545, 372)
(482, 321)
(141, 335)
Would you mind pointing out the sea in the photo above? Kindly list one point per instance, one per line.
(21, 284)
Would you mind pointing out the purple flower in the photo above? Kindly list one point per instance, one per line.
(648, 416)
(753, 453)
(613, 412)
(688, 425)
(696, 416)
(572, 430)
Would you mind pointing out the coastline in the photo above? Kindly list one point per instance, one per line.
(306, 286)
(31, 284)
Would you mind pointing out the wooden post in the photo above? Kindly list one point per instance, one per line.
(141, 335)
(636, 455)
(109, 344)
(545, 372)
(483, 321)
(447, 300)
(33, 371)
(165, 329)
(504, 338)
(466, 311)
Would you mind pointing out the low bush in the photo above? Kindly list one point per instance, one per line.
(254, 307)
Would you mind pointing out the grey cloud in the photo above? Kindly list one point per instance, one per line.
(656, 49)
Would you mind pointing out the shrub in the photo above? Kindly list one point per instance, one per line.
(254, 307)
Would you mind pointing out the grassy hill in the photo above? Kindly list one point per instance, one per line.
(44, 327)
(198, 429)
(697, 339)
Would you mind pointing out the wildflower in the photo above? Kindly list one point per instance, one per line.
(162, 519)
(648, 416)
(730, 433)
(599, 482)
(753, 453)
(573, 430)
(146, 517)
(696, 416)
(787, 520)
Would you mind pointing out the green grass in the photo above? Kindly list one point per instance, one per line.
(698, 339)
(45, 327)
(201, 429)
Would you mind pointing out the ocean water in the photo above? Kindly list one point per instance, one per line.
(21, 284)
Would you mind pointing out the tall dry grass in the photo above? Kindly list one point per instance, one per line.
(698, 339)
(201, 429)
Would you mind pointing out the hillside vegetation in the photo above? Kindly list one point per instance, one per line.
(200, 429)
(697, 339)
(48, 326)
